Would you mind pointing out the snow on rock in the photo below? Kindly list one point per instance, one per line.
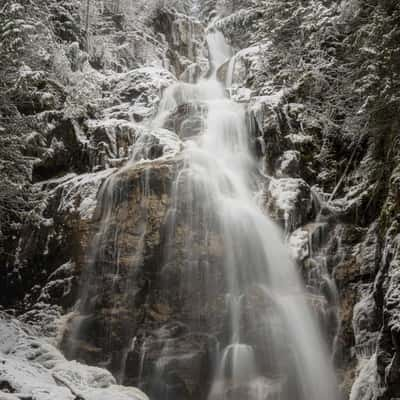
(299, 244)
(363, 322)
(299, 139)
(289, 201)
(8, 396)
(32, 368)
(306, 240)
(63, 271)
(44, 317)
(264, 110)
(288, 164)
(111, 139)
(233, 25)
(243, 66)
(50, 184)
(366, 385)
(156, 143)
(240, 72)
(116, 392)
(258, 102)
(392, 296)
(59, 285)
(140, 90)
(79, 194)
(185, 37)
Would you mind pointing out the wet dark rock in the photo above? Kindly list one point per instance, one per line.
(112, 314)
(187, 120)
(140, 84)
(36, 92)
(176, 371)
(65, 151)
(184, 36)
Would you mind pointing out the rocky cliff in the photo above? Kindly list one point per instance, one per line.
(87, 252)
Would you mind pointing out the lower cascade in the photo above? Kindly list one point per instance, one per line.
(223, 271)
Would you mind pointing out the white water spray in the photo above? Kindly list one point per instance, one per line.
(264, 289)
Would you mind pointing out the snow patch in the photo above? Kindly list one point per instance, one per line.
(366, 386)
(34, 368)
(299, 244)
(79, 194)
(156, 144)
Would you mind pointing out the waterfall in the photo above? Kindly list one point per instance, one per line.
(221, 288)
(274, 348)
(218, 50)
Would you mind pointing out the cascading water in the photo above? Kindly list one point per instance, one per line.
(274, 348)
(239, 302)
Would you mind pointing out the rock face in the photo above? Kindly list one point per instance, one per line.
(122, 260)
(93, 184)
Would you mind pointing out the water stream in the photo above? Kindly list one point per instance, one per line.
(238, 287)
(274, 349)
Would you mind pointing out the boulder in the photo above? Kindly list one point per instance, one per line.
(187, 120)
(290, 202)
